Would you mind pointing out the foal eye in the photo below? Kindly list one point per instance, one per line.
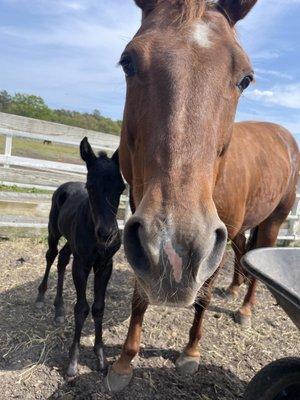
(127, 65)
(245, 82)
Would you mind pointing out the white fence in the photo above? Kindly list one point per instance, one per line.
(288, 232)
(31, 164)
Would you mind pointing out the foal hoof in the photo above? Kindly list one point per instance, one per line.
(229, 294)
(102, 366)
(187, 365)
(72, 372)
(39, 304)
(243, 320)
(59, 320)
(115, 382)
(101, 359)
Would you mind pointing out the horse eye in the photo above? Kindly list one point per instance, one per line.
(127, 65)
(245, 82)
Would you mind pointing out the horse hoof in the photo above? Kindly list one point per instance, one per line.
(115, 382)
(103, 367)
(59, 320)
(39, 304)
(102, 361)
(187, 365)
(72, 372)
(229, 294)
(243, 320)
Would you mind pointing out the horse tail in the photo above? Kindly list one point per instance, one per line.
(58, 199)
(252, 241)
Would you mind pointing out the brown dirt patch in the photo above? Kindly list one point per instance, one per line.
(33, 352)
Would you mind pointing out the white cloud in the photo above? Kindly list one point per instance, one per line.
(73, 5)
(282, 95)
(268, 73)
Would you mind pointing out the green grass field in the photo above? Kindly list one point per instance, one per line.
(13, 188)
(38, 150)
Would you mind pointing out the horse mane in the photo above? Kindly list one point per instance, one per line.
(102, 154)
(182, 12)
(189, 10)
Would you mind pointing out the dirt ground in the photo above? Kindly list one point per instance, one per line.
(33, 352)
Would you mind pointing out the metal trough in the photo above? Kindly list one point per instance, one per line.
(279, 270)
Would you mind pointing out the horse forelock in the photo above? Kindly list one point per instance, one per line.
(181, 12)
(103, 155)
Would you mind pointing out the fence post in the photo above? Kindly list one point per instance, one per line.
(8, 148)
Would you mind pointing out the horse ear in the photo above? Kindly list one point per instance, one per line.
(235, 10)
(146, 5)
(87, 153)
(115, 157)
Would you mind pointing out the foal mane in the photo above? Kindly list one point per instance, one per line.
(103, 155)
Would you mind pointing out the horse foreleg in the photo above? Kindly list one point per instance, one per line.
(102, 276)
(239, 248)
(266, 237)
(188, 361)
(120, 374)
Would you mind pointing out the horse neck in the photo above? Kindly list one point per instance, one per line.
(87, 213)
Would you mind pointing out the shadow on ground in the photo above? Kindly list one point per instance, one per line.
(34, 352)
(29, 336)
(211, 382)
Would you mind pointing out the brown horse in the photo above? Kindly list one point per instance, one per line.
(185, 73)
(255, 189)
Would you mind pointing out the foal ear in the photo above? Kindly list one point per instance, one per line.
(87, 153)
(146, 5)
(235, 10)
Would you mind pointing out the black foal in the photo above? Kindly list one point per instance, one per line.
(86, 216)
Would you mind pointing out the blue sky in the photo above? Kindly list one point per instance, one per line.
(67, 50)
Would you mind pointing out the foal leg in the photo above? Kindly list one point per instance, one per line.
(80, 271)
(266, 237)
(50, 257)
(120, 374)
(63, 261)
(239, 248)
(102, 276)
(188, 361)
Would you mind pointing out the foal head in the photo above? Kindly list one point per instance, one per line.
(105, 186)
(185, 71)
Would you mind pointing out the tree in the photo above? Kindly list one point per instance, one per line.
(5, 100)
(97, 114)
(32, 106)
(29, 106)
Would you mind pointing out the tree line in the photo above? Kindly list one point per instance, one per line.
(28, 105)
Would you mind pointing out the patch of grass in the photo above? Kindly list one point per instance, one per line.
(2, 141)
(37, 149)
(14, 188)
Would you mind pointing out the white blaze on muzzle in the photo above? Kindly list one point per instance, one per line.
(175, 261)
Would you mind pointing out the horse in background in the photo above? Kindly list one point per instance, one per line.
(86, 216)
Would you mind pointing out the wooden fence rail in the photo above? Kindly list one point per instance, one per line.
(289, 232)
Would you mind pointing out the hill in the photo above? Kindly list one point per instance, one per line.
(29, 105)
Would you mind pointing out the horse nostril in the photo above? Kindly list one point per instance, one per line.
(221, 235)
(133, 245)
(218, 247)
